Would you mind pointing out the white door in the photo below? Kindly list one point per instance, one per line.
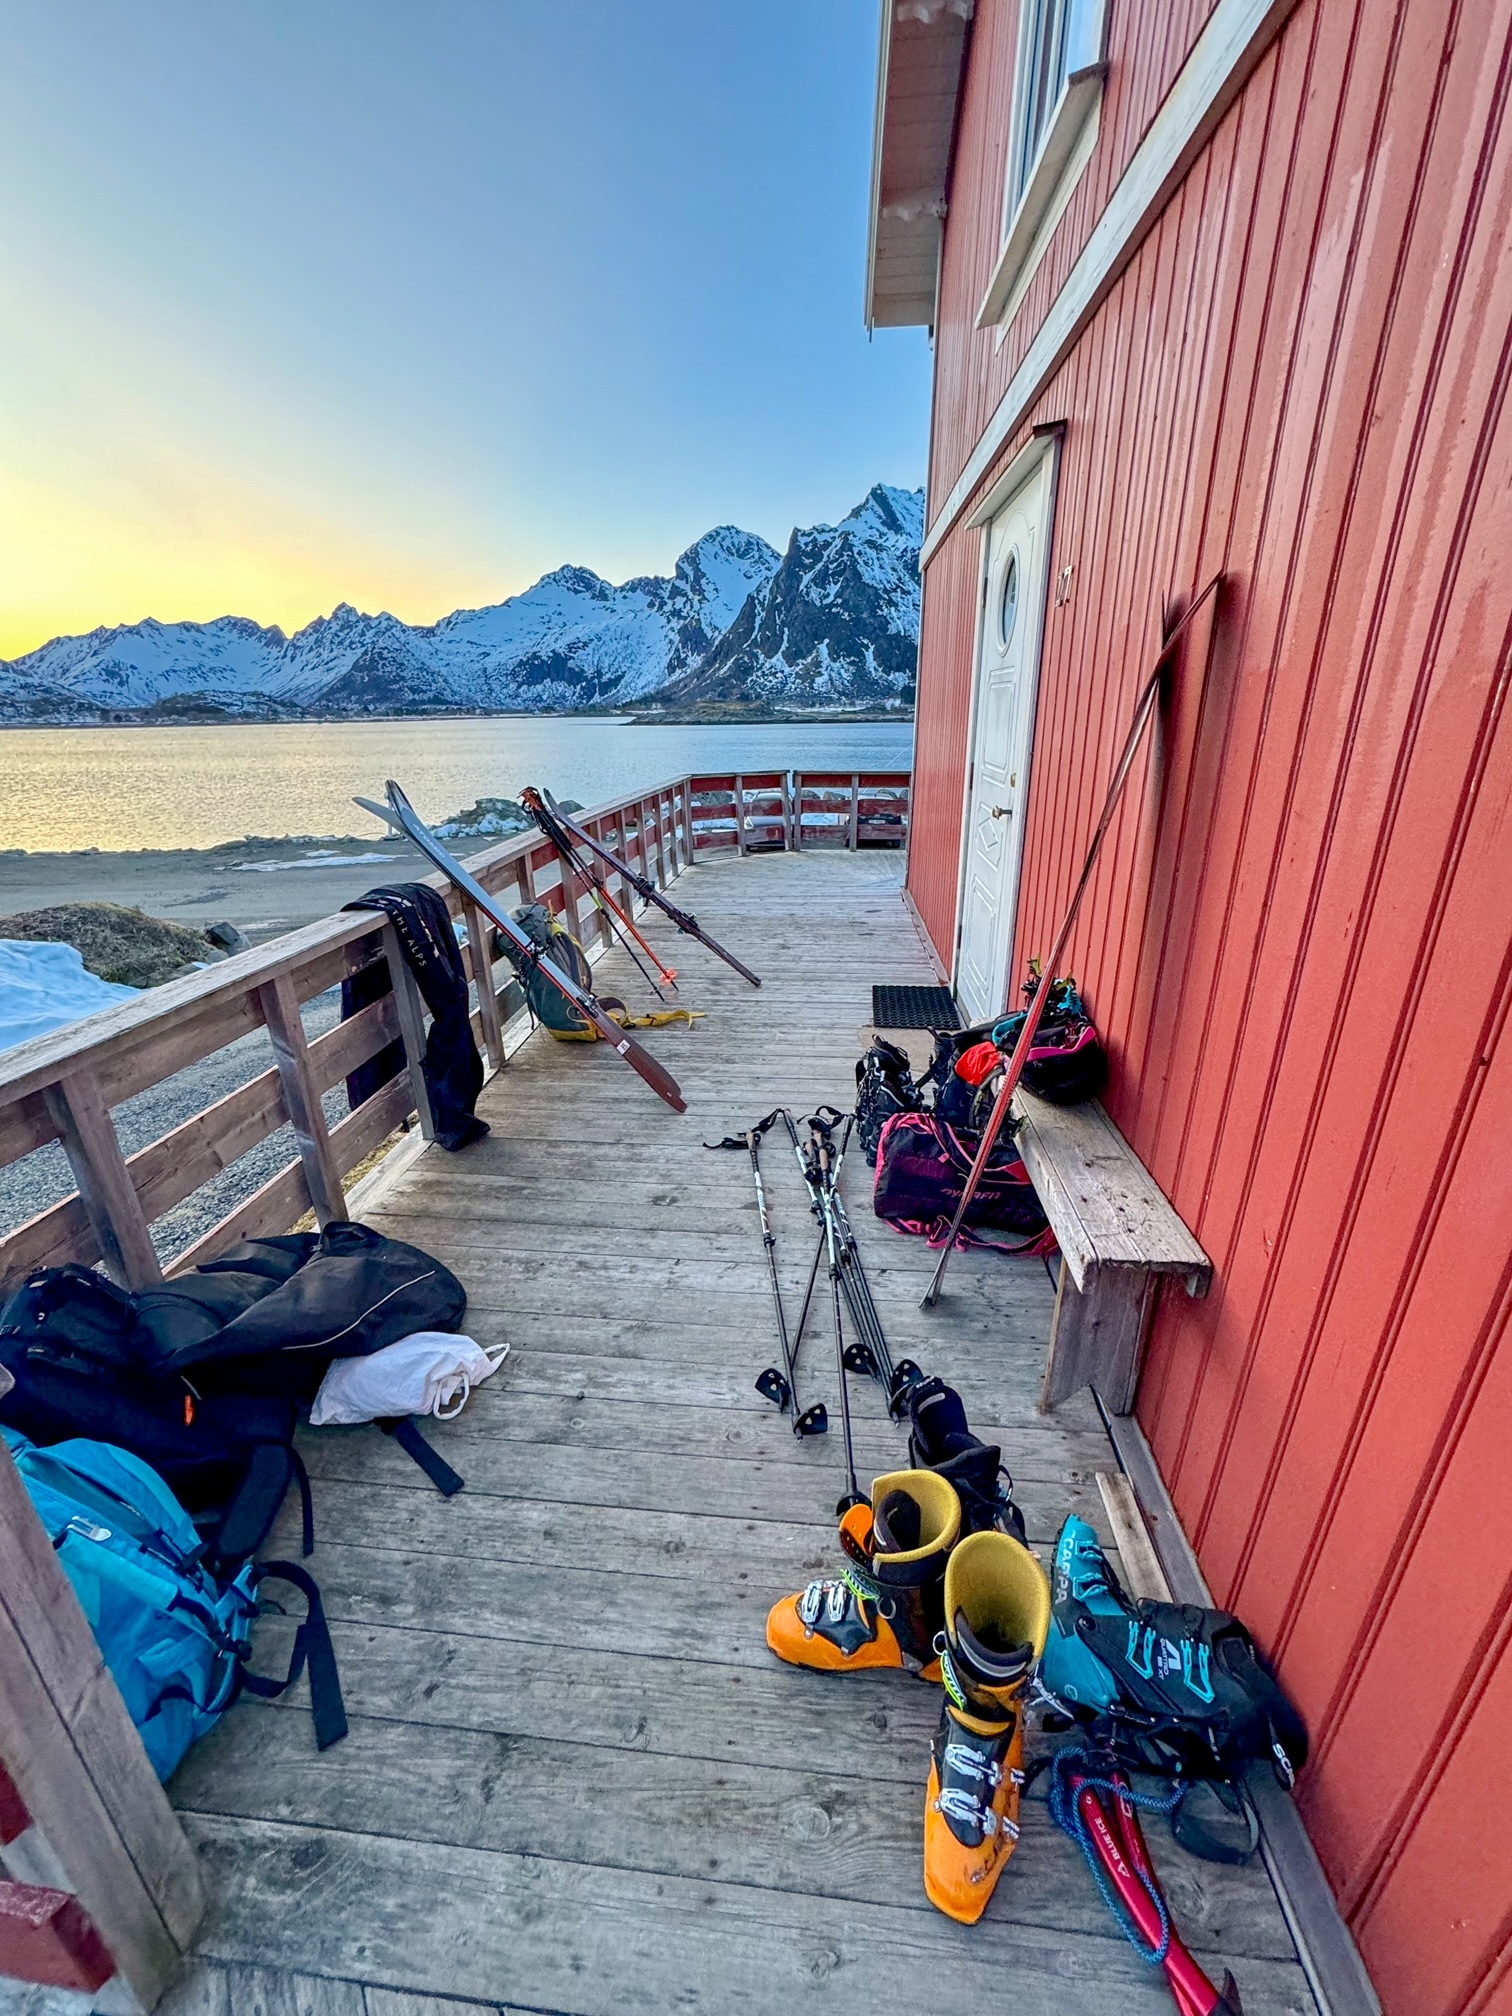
(1002, 735)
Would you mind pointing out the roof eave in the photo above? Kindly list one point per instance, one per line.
(920, 64)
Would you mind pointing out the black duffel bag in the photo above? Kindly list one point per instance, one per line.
(269, 1315)
(202, 1377)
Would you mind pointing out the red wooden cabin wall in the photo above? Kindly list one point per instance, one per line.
(1300, 939)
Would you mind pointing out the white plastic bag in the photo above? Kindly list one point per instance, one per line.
(428, 1372)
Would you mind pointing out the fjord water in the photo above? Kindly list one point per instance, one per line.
(125, 788)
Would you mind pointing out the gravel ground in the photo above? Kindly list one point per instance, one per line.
(30, 1185)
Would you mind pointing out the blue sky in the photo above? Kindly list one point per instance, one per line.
(310, 300)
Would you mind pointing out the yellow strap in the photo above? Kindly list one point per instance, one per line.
(659, 1021)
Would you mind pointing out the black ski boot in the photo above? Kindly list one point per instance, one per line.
(940, 1440)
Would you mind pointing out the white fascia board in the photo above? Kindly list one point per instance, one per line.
(1237, 35)
(875, 217)
(1074, 110)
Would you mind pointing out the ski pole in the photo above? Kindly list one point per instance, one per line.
(780, 1387)
(1143, 710)
(783, 1388)
(852, 1494)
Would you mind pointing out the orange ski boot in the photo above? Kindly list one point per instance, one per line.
(997, 1617)
(886, 1607)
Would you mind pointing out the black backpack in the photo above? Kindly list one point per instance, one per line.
(268, 1316)
(203, 1376)
(884, 1087)
(66, 1344)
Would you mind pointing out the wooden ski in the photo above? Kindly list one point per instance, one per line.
(401, 814)
(533, 799)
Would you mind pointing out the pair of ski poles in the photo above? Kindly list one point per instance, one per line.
(819, 1165)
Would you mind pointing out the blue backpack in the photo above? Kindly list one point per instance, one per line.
(175, 1637)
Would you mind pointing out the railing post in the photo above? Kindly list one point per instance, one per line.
(663, 815)
(480, 959)
(78, 1111)
(648, 866)
(411, 1027)
(855, 812)
(740, 839)
(682, 824)
(291, 1053)
(797, 776)
(76, 1769)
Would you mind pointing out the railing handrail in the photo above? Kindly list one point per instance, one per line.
(33, 1065)
(64, 1086)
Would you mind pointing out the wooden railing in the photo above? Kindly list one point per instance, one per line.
(62, 1087)
(754, 811)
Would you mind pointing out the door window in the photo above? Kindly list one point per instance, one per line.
(1008, 601)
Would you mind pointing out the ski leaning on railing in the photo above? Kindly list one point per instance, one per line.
(400, 814)
(530, 798)
(592, 878)
(1143, 711)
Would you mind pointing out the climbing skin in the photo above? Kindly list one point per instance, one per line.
(885, 1609)
(997, 1610)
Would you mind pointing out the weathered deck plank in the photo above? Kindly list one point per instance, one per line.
(576, 1780)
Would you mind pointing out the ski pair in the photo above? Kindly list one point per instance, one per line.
(563, 830)
(937, 1582)
(543, 808)
(400, 814)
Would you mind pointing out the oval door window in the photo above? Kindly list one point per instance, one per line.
(1008, 602)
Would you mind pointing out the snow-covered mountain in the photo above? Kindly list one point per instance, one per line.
(838, 621)
(835, 619)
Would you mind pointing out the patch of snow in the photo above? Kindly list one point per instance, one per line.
(44, 986)
(309, 861)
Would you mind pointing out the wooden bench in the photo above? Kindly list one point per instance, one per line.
(1119, 1237)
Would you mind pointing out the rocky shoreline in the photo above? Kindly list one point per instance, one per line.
(262, 886)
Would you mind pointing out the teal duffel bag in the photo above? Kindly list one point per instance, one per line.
(176, 1639)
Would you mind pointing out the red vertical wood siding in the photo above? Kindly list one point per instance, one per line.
(1299, 941)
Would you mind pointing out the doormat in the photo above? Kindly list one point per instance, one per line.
(914, 1008)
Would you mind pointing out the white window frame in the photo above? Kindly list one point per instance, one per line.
(1037, 190)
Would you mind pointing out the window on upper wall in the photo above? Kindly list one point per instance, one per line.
(1056, 99)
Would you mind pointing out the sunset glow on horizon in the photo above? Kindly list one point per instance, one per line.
(346, 303)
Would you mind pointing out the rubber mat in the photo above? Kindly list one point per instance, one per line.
(914, 1008)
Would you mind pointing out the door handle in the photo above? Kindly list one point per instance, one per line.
(1002, 811)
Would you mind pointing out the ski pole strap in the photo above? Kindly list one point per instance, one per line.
(758, 1128)
(312, 1649)
(407, 1434)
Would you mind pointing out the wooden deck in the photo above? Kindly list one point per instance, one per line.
(576, 1780)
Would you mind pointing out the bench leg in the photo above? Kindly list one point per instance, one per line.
(1097, 1338)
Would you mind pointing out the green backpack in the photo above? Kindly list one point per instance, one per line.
(548, 1005)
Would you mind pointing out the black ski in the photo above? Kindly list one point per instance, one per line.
(400, 813)
(531, 798)
(592, 877)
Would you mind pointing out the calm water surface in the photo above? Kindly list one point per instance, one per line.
(118, 788)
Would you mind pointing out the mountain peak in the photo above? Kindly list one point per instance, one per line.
(573, 640)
